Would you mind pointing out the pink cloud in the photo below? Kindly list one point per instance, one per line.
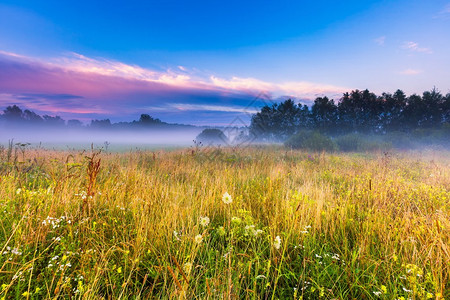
(414, 47)
(410, 72)
(106, 87)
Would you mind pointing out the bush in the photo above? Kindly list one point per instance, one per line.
(349, 142)
(399, 140)
(314, 141)
(212, 137)
(357, 142)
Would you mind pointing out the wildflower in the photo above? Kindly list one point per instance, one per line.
(258, 232)
(187, 267)
(384, 289)
(38, 289)
(377, 293)
(26, 294)
(277, 242)
(249, 229)
(236, 220)
(119, 270)
(204, 221)
(429, 296)
(395, 257)
(198, 238)
(226, 198)
(18, 191)
(221, 231)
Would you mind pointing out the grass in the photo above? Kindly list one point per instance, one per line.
(300, 225)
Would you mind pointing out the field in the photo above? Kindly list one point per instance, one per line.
(252, 223)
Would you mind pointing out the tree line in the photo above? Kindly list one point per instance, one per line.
(15, 116)
(356, 112)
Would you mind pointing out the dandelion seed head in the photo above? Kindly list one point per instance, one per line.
(204, 221)
(277, 242)
(187, 267)
(198, 238)
(226, 198)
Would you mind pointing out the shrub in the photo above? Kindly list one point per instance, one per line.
(314, 141)
(357, 142)
(349, 142)
(212, 137)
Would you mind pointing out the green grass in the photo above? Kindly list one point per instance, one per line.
(350, 226)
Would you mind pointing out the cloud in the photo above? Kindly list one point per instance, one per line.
(380, 41)
(410, 72)
(414, 47)
(74, 83)
(299, 89)
(203, 107)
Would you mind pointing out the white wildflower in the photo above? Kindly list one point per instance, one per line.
(277, 242)
(258, 232)
(226, 198)
(187, 267)
(204, 221)
(198, 238)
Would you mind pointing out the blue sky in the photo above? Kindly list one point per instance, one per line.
(203, 62)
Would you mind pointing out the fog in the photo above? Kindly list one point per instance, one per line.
(113, 140)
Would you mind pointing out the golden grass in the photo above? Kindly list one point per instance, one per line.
(351, 225)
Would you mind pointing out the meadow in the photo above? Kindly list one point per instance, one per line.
(253, 223)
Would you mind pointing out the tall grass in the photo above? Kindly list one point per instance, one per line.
(300, 225)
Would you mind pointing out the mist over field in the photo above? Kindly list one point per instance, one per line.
(84, 137)
(225, 149)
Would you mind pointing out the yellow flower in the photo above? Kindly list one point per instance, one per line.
(226, 198)
(236, 220)
(395, 257)
(384, 289)
(119, 270)
(221, 231)
(26, 294)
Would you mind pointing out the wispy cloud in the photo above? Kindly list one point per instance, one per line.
(410, 72)
(81, 84)
(204, 107)
(446, 9)
(414, 47)
(380, 41)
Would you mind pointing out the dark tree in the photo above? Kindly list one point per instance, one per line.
(74, 123)
(146, 119)
(212, 137)
(13, 114)
(32, 117)
(279, 121)
(54, 121)
(106, 123)
(324, 114)
(392, 115)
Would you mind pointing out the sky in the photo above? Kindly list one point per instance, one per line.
(213, 62)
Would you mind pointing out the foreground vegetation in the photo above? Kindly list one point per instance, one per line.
(224, 223)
